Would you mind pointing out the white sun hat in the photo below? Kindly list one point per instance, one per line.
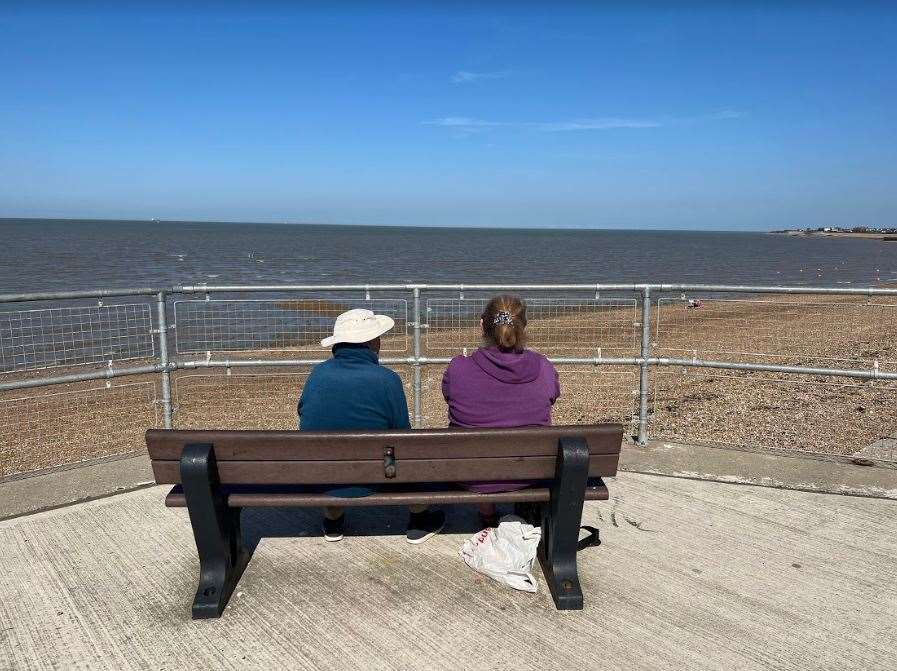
(358, 326)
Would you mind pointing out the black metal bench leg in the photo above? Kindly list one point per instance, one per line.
(216, 529)
(560, 524)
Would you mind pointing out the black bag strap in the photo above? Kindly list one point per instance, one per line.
(592, 539)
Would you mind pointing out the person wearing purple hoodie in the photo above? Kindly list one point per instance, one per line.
(502, 384)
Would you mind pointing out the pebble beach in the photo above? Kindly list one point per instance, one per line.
(68, 423)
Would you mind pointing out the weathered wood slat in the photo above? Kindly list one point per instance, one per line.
(263, 499)
(372, 471)
(422, 444)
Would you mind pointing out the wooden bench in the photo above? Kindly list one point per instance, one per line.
(218, 473)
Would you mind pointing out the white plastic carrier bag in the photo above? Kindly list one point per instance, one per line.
(505, 553)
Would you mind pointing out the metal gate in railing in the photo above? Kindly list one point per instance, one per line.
(805, 368)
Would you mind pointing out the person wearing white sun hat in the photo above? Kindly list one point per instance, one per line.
(358, 326)
(352, 391)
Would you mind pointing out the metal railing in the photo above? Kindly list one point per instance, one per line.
(599, 326)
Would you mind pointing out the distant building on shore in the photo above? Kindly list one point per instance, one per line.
(839, 229)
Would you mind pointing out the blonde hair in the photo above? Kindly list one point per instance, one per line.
(504, 323)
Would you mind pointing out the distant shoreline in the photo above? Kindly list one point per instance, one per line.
(373, 226)
(837, 234)
(876, 235)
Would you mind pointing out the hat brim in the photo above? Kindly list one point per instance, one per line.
(382, 325)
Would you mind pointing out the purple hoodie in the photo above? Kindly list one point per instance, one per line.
(500, 389)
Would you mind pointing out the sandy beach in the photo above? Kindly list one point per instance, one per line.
(49, 426)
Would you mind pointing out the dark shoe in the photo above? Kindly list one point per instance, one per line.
(530, 512)
(333, 529)
(423, 526)
(487, 521)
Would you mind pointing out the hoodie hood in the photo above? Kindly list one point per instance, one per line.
(508, 367)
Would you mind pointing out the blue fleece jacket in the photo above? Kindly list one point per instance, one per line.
(352, 391)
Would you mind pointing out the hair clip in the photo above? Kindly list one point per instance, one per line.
(503, 317)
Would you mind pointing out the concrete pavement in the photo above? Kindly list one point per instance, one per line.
(691, 575)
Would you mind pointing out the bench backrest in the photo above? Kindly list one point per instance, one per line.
(428, 455)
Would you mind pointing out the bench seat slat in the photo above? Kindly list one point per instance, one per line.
(166, 445)
(596, 491)
(370, 471)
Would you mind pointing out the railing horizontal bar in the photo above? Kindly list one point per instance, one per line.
(529, 287)
(249, 363)
(732, 288)
(775, 368)
(722, 288)
(67, 295)
(595, 361)
(83, 377)
(201, 288)
(600, 360)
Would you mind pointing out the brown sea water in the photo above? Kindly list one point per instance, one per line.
(48, 255)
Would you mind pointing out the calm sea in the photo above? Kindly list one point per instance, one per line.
(47, 255)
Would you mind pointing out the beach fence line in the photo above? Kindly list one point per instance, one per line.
(674, 360)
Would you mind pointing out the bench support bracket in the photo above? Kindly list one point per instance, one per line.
(560, 524)
(216, 529)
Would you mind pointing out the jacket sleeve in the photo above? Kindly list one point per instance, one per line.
(301, 403)
(446, 384)
(398, 404)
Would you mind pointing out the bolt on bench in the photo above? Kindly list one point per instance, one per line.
(218, 473)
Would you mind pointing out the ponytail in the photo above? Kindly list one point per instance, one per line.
(504, 323)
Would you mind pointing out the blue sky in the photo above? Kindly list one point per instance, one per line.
(749, 118)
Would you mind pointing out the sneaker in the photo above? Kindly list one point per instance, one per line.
(530, 512)
(333, 529)
(425, 525)
(487, 521)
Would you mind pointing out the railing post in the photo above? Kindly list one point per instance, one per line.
(416, 384)
(163, 357)
(643, 376)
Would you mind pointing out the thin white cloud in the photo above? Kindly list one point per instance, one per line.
(467, 77)
(472, 125)
(464, 122)
(721, 115)
(596, 124)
